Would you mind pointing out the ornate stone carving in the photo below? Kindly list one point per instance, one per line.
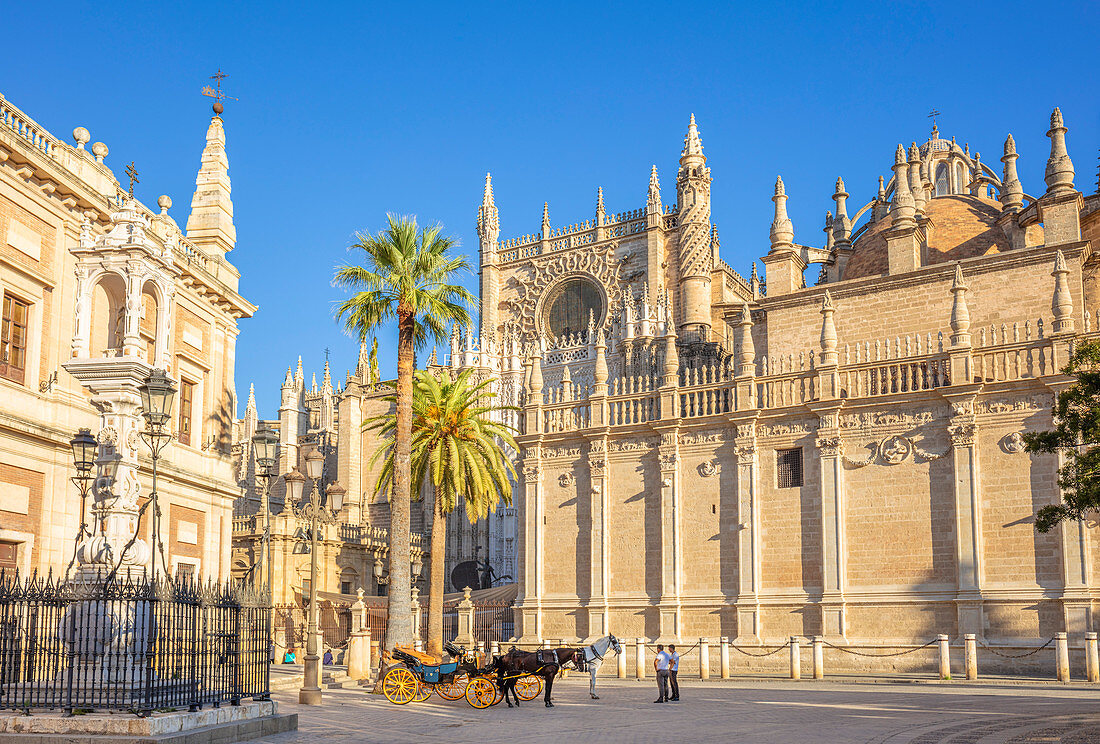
(776, 430)
(531, 473)
(669, 460)
(929, 456)
(869, 420)
(108, 436)
(830, 446)
(866, 460)
(625, 445)
(963, 433)
(668, 439)
(962, 407)
(554, 452)
(709, 468)
(895, 450)
(597, 446)
(828, 420)
(703, 437)
(666, 482)
(1026, 403)
(745, 450)
(567, 479)
(1013, 443)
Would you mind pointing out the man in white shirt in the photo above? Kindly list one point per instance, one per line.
(673, 667)
(660, 665)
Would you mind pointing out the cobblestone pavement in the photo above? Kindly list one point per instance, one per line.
(718, 711)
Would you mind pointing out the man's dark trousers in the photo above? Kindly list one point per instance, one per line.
(675, 686)
(662, 684)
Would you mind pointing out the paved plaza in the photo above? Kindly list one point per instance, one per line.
(744, 711)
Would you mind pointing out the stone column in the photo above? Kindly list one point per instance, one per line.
(414, 610)
(671, 558)
(358, 655)
(833, 533)
(599, 539)
(748, 535)
(963, 429)
(533, 547)
(131, 343)
(465, 637)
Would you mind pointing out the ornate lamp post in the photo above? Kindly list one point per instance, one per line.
(265, 442)
(84, 448)
(317, 514)
(157, 394)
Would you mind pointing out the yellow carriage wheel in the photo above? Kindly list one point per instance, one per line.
(453, 691)
(423, 692)
(497, 696)
(399, 686)
(480, 692)
(529, 687)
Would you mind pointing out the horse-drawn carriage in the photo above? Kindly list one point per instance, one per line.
(420, 675)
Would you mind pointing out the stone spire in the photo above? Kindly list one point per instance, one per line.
(828, 229)
(600, 211)
(1062, 304)
(545, 220)
(313, 387)
(535, 384)
(326, 382)
(653, 202)
(881, 190)
(782, 232)
(960, 313)
(715, 243)
(1059, 173)
(288, 383)
(361, 363)
(600, 374)
(488, 219)
(210, 224)
(299, 376)
(916, 187)
(251, 405)
(746, 352)
(842, 226)
(695, 252)
(432, 359)
(1012, 192)
(904, 209)
(672, 356)
(828, 332)
(754, 282)
(693, 146)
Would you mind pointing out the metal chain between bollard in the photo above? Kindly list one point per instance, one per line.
(686, 651)
(759, 656)
(883, 656)
(1017, 656)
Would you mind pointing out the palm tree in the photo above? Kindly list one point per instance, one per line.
(457, 449)
(407, 276)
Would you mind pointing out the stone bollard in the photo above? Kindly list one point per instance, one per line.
(1061, 650)
(620, 663)
(639, 658)
(494, 649)
(1092, 658)
(970, 655)
(465, 636)
(725, 657)
(704, 658)
(414, 610)
(819, 657)
(796, 659)
(945, 657)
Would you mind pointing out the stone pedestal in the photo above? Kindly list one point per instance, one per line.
(465, 637)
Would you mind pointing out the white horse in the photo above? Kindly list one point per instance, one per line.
(593, 659)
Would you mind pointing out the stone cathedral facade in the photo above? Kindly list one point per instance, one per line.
(708, 455)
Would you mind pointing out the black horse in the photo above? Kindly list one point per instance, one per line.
(545, 663)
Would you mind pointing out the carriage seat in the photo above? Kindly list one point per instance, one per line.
(420, 656)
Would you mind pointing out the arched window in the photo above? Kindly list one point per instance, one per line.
(569, 308)
(943, 185)
(961, 181)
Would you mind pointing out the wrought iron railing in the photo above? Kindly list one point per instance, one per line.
(130, 644)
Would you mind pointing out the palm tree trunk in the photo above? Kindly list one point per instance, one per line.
(399, 622)
(435, 588)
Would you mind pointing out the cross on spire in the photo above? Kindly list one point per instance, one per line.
(216, 92)
(131, 171)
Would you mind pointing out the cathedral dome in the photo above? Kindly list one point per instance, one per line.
(963, 226)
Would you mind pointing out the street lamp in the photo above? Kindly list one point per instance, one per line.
(157, 393)
(317, 514)
(265, 444)
(84, 452)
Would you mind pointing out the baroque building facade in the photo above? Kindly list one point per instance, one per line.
(98, 290)
(708, 455)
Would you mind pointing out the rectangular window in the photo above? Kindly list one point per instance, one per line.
(187, 398)
(13, 339)
(345, 587)
(185, 570)
(789, 467)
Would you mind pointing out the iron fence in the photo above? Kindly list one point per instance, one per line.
(134, 644)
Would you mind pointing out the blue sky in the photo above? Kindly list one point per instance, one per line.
(348, 111)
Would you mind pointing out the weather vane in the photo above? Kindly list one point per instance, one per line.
(216, 92)
(932, 115)
(131, 171)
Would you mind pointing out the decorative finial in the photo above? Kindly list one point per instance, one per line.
(599, 199)
(1059, 172)
(82, 136)
(782, 232)
(164, 202)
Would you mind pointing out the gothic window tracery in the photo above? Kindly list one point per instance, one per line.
(570, 307)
